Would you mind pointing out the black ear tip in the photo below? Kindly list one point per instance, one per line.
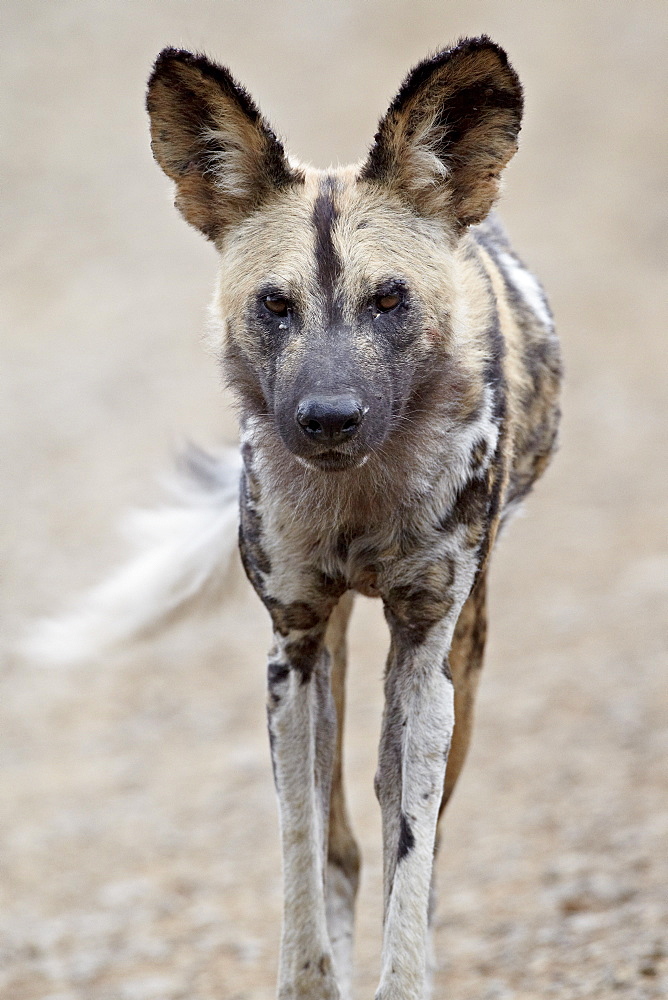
(165, 62)
(171, 65)
(479, 43)
(170, 55)
(471, 46)
(454, 56)
(171, 52)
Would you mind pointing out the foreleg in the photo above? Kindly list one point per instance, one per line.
(466, 657)
(416, 733)
(302, 731)
(343, 858)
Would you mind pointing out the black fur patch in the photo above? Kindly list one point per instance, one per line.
(251, 532)
(413, 611)
(406, 838)
(478, 455)
(493, 374)
(303, 655)
(249, 561)
(295, 616)
(327, 259)
(471, 506)
(272, 744)
(277, 673)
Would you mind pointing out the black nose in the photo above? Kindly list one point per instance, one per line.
(330, 419)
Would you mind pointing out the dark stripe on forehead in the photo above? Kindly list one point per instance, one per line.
(325, 214)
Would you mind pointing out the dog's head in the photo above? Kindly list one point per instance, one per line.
(338, 289)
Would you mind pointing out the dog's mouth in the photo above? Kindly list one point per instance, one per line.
(333, 461)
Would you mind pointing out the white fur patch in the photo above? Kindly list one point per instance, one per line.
(528, 287)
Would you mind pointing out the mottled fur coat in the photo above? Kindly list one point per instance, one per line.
(396, 373)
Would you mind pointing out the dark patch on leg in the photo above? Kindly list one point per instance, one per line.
(296, 616)
(412, 611)
(277, 673)
(406, 838)
(303, 655)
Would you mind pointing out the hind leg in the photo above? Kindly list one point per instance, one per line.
(466, 656)
(343, 857)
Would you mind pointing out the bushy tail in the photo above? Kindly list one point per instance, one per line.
(182, 549)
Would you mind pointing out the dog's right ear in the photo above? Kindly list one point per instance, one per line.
(211, 140)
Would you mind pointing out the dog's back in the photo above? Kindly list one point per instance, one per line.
(532, 364)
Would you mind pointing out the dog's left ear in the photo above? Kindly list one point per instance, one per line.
(450, 131)
(209, 137)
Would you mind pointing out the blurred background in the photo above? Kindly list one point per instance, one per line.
(137, 818)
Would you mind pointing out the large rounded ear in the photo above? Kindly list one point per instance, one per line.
(450, 131)
(209, 137)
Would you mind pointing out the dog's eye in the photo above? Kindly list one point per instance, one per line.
(276, 304)
(386, 303)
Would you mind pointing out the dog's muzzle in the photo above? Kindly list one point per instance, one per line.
(328, 421)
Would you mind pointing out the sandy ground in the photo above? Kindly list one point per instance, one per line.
(137, 819)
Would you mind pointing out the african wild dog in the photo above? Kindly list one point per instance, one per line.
(396, 373)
